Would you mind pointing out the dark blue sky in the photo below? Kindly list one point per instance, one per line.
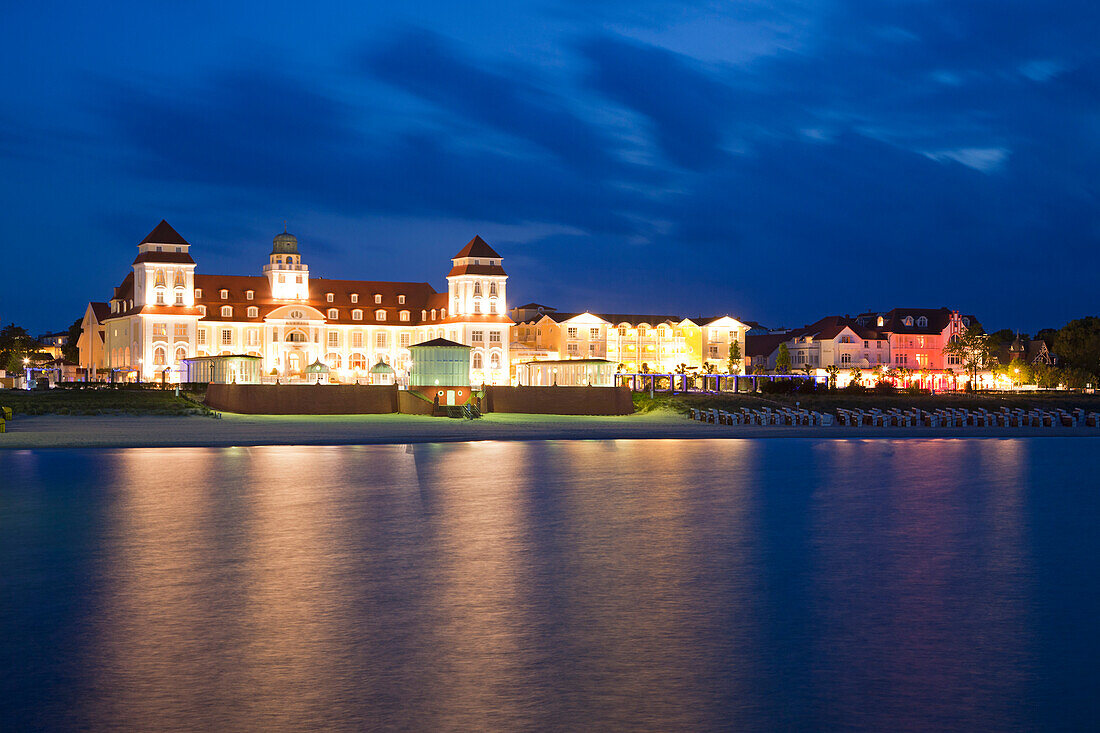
(778, 161)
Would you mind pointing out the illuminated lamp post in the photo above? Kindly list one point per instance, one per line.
(141, 363)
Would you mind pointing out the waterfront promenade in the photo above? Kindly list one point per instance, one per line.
(114, 431)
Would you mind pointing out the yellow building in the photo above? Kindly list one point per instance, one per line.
(654, 343)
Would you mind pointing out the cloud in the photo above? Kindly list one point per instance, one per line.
(985, 160)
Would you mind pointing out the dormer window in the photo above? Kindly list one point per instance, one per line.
(355, 297)
(333, 314)
(377, 298)
(227, 311)
(202, 310)
(908, 321)
(380, 315)
(249, 294)
(403, 316)
(401, 300)
(253, 312)
(922, 321)
(357, 315)
(424, 315)
(198, 292)
(442, 312)
(966, 322)
(224, 294)
(433, 314)
(880, 321)
(330, 297)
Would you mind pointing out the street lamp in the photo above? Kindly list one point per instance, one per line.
(141, 363)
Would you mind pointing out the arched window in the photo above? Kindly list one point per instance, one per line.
(357, 315)
(908, 321)
(224, 294)
(403, 316)
(494, 360)
(160, 356)
(358, 361)
(181, 353)
(380, 315)
(296, 337)
(922, 321)
(433, 314)
(330, 297)
(333, 314)
(424, 315)
(442, 312)
(333, 360)
(477, 288)
(880, 321)
(492, 290)
(476, 360)
(227, 311)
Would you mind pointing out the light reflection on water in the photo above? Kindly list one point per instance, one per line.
(656, 585)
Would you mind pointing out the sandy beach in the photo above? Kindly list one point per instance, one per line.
(62, 431)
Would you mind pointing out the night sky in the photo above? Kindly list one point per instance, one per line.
(775, 161)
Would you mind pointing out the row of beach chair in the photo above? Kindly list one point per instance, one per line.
(949, 417)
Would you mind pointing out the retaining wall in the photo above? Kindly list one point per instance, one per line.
(559, 400)
(304, 399)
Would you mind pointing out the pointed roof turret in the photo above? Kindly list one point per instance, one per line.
(476, 247)
(163, 233)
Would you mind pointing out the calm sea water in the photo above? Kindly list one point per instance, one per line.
(614, 585)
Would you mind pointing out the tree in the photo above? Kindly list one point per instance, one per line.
(783, 359)
(1078, 344)
(807, 370)
(856, 376)
(645, 368)
(971, 349)
(735, 357)
(834, 372)
(71, 350)
(15, 346)
(879, 374)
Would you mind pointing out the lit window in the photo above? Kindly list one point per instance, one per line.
(404, 340)
(424, 315)
(494, 360)
(355, 297)
(227, 336)
(253, 311)
(200, 337)
(433, 314)
(380, 340)
(202, 310)
(227, 311)
(377, 298)
(380, 315)
(357, 315)
(330, 297)
(224, 294)
(403, 316)
(248, 294)
(333, 314)
(298, 279)
(333, 339)
(572, 332)
(253, 337)
(181, 330)
(594, 333)
(401, 300)
(476, 360)
(160, 329)
(357, 340)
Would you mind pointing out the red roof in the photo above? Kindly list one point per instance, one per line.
(476, 247)
(163, 233)
(100, 310)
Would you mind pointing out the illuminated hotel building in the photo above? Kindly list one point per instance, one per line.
(164, 311)
(657, 343)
